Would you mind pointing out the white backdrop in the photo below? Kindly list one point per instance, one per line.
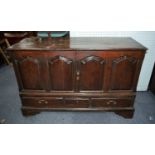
(147, 38)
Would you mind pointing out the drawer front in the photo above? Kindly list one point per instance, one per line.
(77, 102)
(43, 102)
(55, 102)
(112, 102)
(60, 102)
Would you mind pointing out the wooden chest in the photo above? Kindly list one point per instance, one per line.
(89, 74)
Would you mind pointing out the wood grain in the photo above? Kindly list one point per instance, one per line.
(88, 74)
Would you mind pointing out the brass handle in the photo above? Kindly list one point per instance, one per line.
(77, 75)
(112, 102)
(43, 101)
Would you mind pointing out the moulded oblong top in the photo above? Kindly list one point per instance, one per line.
(78, 43)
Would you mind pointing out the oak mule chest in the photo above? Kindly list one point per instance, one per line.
(81, 74)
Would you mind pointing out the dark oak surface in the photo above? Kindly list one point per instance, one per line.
(78, 74)
(78, 43)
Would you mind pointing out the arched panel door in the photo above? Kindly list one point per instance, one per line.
(123, 73)
(90, 73)
(61, 73)
(29, 69)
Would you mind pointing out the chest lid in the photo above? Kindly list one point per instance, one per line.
(78, 43)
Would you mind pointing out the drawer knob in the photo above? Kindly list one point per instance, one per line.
(112, 102)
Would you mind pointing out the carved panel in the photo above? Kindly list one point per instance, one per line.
(61, 73)
(29, 69)
(91, 70)
(123, 73)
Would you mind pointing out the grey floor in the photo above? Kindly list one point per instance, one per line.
(10, 108)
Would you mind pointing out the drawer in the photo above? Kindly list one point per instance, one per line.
(77, 102)
(112, 102)
(55, 102)
(43, 102)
